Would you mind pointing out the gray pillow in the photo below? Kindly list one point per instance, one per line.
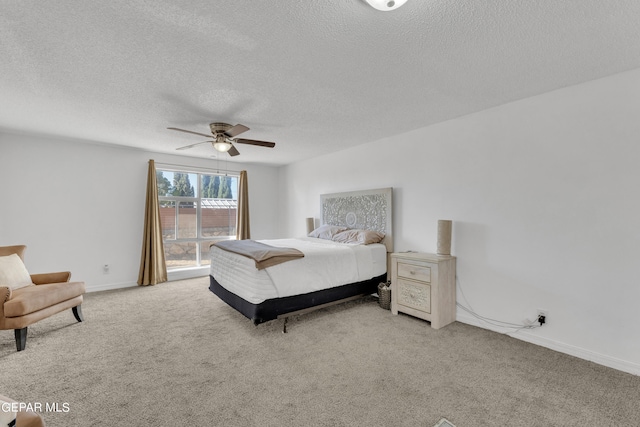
(326, 231)
(362, 237)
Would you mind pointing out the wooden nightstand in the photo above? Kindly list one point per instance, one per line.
(424, 285)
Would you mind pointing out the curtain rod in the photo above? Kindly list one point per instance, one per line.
(198, 168)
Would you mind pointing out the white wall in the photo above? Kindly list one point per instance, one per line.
(544, 197)
(542, 192)
(78, 206)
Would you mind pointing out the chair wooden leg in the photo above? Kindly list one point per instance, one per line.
(77, 312)
(21, 338)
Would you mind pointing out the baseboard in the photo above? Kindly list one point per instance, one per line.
(110, 286)
(187, 273)
(581, 353)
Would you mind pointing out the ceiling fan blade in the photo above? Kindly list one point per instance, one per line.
(255, 142)
(233, 151)
(192, 145)
(236, 130)
(190, 131)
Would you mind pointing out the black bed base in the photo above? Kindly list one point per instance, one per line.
(280, 307)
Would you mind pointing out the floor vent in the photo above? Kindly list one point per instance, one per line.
(444, 423)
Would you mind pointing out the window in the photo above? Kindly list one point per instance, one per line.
(196, 210)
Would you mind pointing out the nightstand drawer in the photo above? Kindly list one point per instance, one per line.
(414, 295)
(415, 272)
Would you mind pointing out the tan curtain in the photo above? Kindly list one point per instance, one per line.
(242, 223)
(153, 268)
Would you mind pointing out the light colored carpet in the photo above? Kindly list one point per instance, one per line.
(174, 354)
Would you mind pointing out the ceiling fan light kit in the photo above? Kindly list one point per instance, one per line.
(222, 146)
(385, 5)
(223, 135)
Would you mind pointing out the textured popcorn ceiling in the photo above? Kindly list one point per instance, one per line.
(314, 76)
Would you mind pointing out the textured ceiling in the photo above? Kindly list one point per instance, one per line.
(314, 76)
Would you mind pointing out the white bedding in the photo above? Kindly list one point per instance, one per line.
(326, 264)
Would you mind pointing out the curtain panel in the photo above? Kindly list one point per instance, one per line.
(153, 267)
(242, 224)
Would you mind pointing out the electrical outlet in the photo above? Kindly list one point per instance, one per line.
(543, 316)
(105, 269)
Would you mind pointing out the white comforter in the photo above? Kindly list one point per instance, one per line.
(326, 264)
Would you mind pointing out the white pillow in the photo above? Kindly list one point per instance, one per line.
(13, 273)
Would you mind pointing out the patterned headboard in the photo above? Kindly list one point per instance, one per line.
(367, 209)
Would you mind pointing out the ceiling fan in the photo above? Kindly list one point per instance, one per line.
(224, 137)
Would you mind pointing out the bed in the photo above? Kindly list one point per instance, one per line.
(335, 264)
